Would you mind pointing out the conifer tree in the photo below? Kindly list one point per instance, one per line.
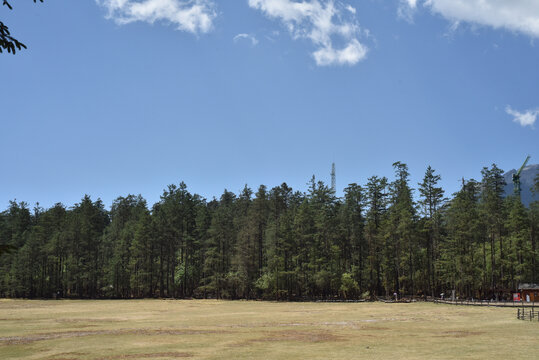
(376, 195)
(519, 247)
(142, 265)
(431, 202)
(221, 241)
(460, 261)
(84, 265)
(493, 215)
(533, 263)
(354, 248)
(401, 245)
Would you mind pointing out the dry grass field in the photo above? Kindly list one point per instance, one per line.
(171, 329)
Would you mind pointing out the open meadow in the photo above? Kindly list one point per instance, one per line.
(209, 329)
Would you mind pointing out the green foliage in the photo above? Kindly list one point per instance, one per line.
(277, 244)
(431, 202)
(349, 287)
(7, 249)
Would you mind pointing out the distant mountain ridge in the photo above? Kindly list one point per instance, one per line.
(527, 181)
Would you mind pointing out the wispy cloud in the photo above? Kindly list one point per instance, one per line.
(349, 55)
(249, 37)
(320, 21)
(515, 15)
(194, 16)
(411, 3)
(526, 118)
(407, 9)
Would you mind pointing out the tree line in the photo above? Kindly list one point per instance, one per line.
(379, 239)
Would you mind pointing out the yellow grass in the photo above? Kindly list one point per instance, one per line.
(197, 329)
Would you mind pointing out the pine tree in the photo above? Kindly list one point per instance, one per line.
(493, 216)
(431, 202)
(125, 214)
(244, 262)
(376, 195)
(533, 263)
(84, 231)
(520, 249)
(354, 248)
(460, 261)
(221, 241)
(276, 282)
(142, 265)
(304, 233)
(401, 243)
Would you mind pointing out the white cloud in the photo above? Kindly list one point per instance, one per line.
(526, 118)
(407, 9)
(514, 15)
(348, 55)
(253, 39)
(411, 3)
(321, 21)
(351, 9)
(194, 16)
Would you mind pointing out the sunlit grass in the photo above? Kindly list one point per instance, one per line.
(167, 329)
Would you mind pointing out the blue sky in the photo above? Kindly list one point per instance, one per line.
(122, 96)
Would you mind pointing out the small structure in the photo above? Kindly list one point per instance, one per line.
(530, 292)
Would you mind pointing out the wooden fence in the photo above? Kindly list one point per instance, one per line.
(528, 314)
(513, 304)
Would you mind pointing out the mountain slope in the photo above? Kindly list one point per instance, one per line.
(527, 180)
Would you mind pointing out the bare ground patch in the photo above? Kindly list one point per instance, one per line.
(17, 340)
(88, 320)
(355, 324)
(303, 336)
(294, 335)
(66, 356)
(168, 355)
(460, 333)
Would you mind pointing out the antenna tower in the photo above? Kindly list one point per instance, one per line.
(333, 180)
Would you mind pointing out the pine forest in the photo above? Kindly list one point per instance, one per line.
(380, 238)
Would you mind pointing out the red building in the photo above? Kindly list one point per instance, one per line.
(529, 292)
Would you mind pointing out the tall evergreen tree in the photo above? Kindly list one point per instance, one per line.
(460, 263)
(493, 215)
(376, 195)
(431, 202)
(533, 263)
(143, 250)
(218, 252)
(519, 247)
(354, 246)
(125, 214)
(244, 262)
(84, 230)
(401, 243)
